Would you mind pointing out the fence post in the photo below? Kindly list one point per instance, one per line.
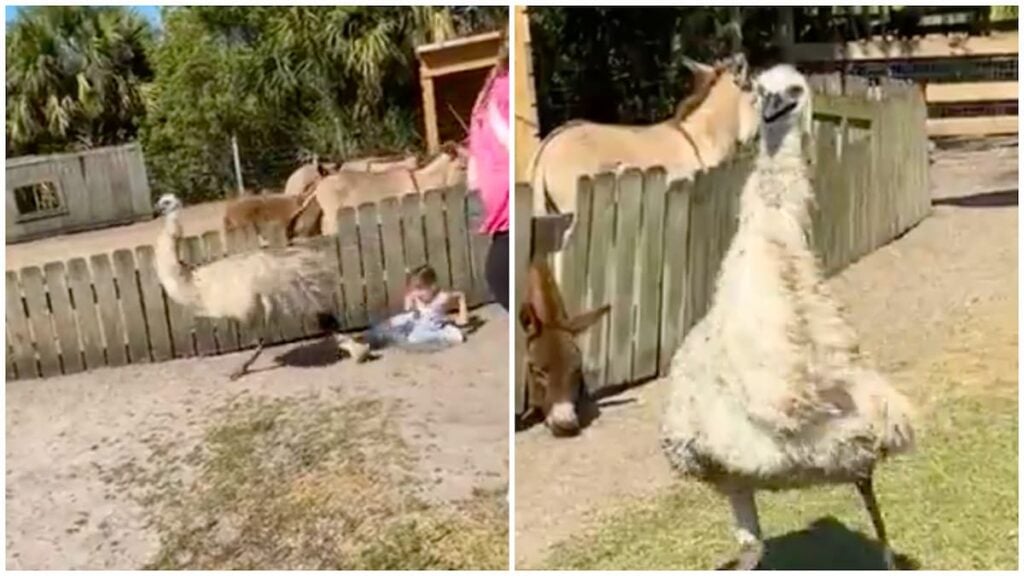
(238, 165)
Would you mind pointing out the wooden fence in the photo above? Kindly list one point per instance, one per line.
(652, 248)
(969, 82)
(61, 193)
(110, 310)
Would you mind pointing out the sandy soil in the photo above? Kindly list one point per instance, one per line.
(64, 434)
(907, 300)
(195, 220)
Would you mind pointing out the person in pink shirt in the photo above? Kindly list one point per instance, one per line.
(488, 171)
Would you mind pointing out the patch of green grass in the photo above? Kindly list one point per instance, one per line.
(950, 505)
(309, 484)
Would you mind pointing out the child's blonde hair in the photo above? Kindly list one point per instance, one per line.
(422, 277)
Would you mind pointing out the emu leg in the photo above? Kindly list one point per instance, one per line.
(867, 493)
(244, 368)
(748, 529)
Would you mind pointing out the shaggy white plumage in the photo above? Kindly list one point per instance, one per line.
(768, 391)
(246, 287)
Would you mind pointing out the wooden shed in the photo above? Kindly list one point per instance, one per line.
(62, 193)
(451, 75)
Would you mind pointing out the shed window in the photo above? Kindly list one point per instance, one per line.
(39, 200)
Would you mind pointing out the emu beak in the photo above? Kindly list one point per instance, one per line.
(775, 106)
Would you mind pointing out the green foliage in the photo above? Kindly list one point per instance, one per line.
(75, 77)
(625, 65)
(288, 82)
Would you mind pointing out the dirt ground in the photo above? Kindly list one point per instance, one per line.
(912, 299)
(65, 435)
(195, 220)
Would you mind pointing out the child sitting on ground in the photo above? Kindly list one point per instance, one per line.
(425, 320)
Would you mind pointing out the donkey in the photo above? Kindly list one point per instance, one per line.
(554, 362)
(705, 130)
(346, 188)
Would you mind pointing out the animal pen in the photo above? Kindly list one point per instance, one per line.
(652, 248)
(111, 310)
(62, 193)
(451, 74)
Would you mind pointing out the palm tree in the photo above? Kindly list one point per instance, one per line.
(75, 77)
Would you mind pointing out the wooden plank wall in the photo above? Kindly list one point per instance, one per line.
(653, 248)
(110, 310)
(97, 188)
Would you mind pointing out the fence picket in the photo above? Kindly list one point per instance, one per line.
(412, 231)
(80, 281)
(394, 260)
(436, 236)
(523, 212)
(649, 275)
(351, 269)
(19, 336)
(110, 312)
(674, 288)
(602, 229)
(155, 307)
(373, 265)
(574, 277)
(458, 239)
(696, 274)
(479, 244)
(63, 317)
(131, 304)
(39, 320)
(629, 198)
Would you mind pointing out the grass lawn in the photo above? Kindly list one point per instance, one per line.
(304, 483)
(950, 505)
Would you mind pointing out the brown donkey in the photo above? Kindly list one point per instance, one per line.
(554, 362)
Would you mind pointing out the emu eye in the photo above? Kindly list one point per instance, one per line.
(794, 92)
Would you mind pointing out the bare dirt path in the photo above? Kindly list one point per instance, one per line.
(195, 220)
(915, 298)
(66, 436)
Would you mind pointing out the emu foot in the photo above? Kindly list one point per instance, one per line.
(237, 374)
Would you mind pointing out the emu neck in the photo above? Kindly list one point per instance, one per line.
(782, 196)
(713, 125)
(176, 280)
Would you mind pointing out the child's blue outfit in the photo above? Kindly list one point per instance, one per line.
(427, 324)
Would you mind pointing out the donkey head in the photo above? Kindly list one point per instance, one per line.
(554, 361)
(725, 93)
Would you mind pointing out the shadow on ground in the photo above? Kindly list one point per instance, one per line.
(315, 354)
(984, 200)
(827, 545)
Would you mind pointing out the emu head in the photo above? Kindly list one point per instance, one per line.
(553, 357)
(784, 99)
(167, 205)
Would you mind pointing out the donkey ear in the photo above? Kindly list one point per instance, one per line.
(581, 322)
(529, 320)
